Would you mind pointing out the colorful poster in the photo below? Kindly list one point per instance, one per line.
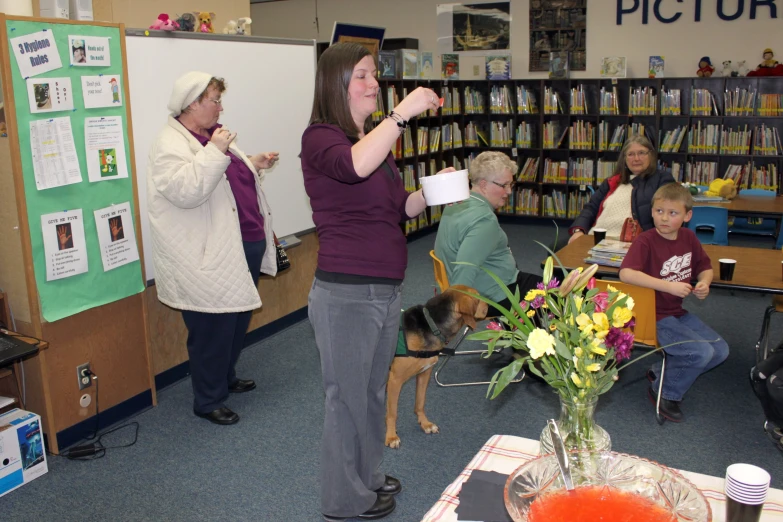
(36, 53)
(102, 91)
(105, 149)
(89, 51)
(64, 245)
(115, 236)
(49, 94)
(55, 162)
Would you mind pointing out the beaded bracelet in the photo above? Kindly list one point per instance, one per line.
(401, 122)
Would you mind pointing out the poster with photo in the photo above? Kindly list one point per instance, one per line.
(64, 245)
(102, 91)
(474, 27)
(49, 94)
(116, 236)
(36, 53)
(89, 51)
(105, 149)
(558, 26)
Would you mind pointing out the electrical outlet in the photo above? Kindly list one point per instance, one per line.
(84, 378)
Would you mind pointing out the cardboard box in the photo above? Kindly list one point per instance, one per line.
(22, 452)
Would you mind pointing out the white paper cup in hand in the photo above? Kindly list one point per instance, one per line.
(449, 187)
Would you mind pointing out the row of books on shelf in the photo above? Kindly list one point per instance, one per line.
(557, 204)
(748, 175)
(641, 101)
(721, 139)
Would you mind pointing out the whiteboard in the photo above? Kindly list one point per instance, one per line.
(267, 102)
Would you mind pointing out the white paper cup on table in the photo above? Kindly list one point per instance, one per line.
(746, 492)
(449, 187)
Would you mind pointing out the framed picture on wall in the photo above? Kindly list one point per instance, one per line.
(613, 67)
(364, 35)
(558, 26)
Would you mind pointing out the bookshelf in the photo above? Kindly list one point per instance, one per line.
(565, 135)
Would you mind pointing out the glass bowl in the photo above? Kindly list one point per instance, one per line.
(661, 485)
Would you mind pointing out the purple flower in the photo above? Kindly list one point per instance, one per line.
(540, 286)
(553, 283)
(550, 316)
(622, 342)
(537, 302)
(630, 324)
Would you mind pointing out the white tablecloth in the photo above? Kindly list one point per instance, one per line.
(505, 453)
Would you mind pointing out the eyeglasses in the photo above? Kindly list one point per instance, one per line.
(504, 186)
(638, 154)
(219, 101)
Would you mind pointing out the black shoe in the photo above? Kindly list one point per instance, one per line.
(241, 386)
(651, 376)
(669, 409)
(383, 506)
(220, 416)
(391, 486)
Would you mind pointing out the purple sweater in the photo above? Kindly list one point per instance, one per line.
(357, 219)
(243, 186)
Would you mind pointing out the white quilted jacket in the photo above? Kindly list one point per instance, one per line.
(196, 241)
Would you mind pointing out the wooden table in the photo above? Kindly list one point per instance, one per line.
(757, 270)
(505, 453)
(761, 206)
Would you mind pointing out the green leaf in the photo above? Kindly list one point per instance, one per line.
(562, 350)
(505, 376)
(554, 307)
(485, 335)
(610, 311)
(533, 369)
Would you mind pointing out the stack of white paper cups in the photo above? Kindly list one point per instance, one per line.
(746, 492)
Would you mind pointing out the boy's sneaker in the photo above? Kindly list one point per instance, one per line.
(651, 376)
(669, 409)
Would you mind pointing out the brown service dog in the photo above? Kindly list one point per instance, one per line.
(450, 311)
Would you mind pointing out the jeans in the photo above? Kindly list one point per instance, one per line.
(685, 362)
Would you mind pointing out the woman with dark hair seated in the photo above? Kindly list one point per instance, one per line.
(628, 193)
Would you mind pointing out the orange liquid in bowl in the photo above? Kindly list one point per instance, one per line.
(596, 504)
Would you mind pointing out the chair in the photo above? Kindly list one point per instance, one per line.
(645, 331)
(442, 279)
(742, 225)
(715, 218)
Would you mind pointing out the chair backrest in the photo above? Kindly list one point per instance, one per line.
(717, 218)
(643, 310)
(757, 192)
(441, 276)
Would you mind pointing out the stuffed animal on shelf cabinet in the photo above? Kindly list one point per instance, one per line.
(164, 23)
(705, 67)
(244, 25)
(230, 27)
(724, 188)
(768, 67)
(727, 69)
(187, 22)
(742, 69)
(204, 21)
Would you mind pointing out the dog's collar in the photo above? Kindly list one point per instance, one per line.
(433, 328)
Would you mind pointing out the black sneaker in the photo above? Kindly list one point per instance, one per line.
(670, 410)
(651, 376)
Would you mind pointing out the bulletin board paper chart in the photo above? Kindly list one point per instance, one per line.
(70, 295)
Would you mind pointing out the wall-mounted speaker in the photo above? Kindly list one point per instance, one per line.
(54, 8)
(81, 10)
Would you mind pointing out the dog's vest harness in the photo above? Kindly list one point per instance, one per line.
(402, 344)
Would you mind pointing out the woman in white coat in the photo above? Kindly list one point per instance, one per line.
(211, 236)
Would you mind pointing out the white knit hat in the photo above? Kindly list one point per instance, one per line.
(187, 88)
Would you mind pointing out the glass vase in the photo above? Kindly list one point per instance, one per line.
(577, 428)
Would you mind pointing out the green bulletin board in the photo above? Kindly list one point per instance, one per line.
(68, 296)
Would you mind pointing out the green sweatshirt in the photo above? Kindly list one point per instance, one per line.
(470, 232)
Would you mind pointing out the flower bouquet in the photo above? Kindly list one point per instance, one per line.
(574, 336)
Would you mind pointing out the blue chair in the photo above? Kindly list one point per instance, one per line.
(767, 226)
(714, 218)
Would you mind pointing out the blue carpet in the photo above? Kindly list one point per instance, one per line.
(266, 467)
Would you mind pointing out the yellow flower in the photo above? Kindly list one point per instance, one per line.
(532, 294)
(601, 322)
(530, 313)
(540, 342)
(576, 379)
(596, 348)
(611, 288)
(553, 327)
(578, 302)
(629, 303)
(582, 394)
(576, 361)
(593, 367)
(578, 351)
(620, 316)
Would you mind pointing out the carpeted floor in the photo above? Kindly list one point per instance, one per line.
(265, 467)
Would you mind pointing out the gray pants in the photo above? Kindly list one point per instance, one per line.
(356, 330)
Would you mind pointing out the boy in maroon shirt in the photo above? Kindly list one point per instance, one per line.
(666, 259)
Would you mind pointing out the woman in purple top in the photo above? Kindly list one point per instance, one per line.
(358, 201)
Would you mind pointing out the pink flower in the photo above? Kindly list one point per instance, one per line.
(622, 342)
(495, 325)
(537, 302)
(601, 300)
(630, 324)
(523, 304)
(553, 283)
(591, 283)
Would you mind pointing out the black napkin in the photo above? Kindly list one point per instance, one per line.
(481, 498)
